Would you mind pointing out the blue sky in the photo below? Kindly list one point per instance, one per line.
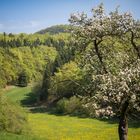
(29, 16)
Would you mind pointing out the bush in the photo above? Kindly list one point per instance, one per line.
(61, 106)
(70, 106)
(12, 118)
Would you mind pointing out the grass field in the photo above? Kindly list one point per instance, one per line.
(45, 126)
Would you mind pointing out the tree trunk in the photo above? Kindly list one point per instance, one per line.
(123, 124)
(99, 56)
(136, 48)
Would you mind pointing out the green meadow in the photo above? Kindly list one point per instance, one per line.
(47, 126)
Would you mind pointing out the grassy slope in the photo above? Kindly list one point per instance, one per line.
(52, 127)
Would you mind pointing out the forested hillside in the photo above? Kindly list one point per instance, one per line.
(29, 55)
(56, 29)
(23, 60)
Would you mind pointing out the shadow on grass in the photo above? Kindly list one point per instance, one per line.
(42, 109)
(132, 122)
(31, 99)
(38, 109)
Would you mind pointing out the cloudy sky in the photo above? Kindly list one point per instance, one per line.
(29, 16)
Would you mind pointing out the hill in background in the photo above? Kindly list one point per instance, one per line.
(56, 29)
